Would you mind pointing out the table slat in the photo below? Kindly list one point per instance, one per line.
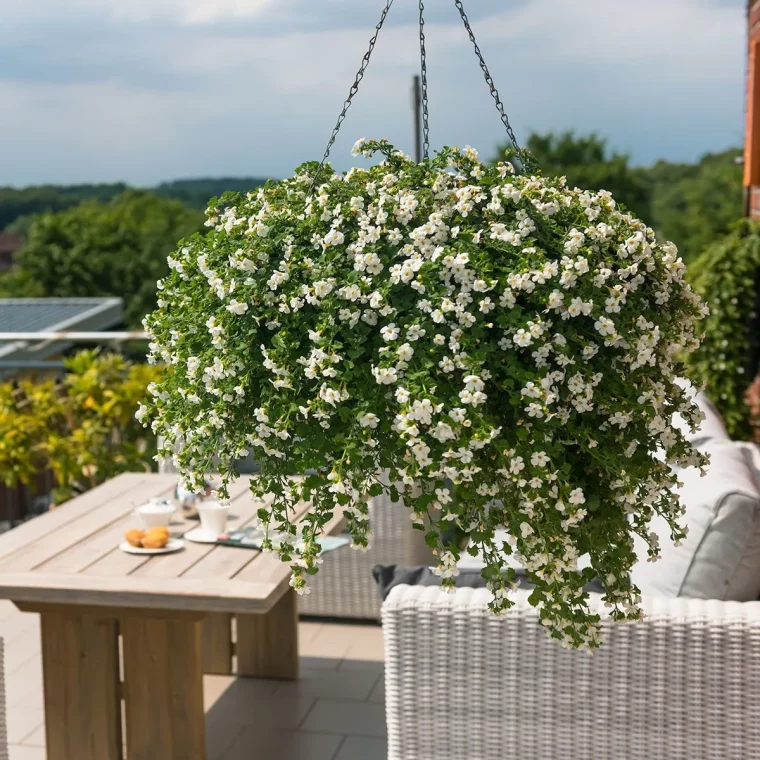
(83, 528)
(78, 557)
(33, 530)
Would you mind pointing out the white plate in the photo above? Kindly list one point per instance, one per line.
(174, 545)
(199, 536)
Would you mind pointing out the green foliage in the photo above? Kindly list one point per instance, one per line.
(16, 203)
(82, 429)
(196, 192)
(117, 248)
(450, 324)
(727, 276)
(696, 204)
(690, 204)
(587, 164)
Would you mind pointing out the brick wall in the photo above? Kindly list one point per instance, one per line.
(752, 127)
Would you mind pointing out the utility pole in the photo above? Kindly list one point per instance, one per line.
(417, 105)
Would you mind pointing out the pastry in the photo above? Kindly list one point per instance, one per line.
(155, 538)
(134, 537)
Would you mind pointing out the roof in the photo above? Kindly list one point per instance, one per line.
(26, 315)
(10, 242)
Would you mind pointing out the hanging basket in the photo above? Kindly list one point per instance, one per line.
(504, 346)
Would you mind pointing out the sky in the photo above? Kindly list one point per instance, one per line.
(144, 91)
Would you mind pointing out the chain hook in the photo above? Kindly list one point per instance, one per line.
(423, 80)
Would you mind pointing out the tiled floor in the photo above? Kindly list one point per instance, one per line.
(334, 711)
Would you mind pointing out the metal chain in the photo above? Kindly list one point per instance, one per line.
(354, 89)
(423, 79)
(488, 78)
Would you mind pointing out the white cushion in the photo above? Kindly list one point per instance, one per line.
(720, 557)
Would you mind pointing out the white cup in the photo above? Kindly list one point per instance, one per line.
(213, 517)
(156, 512)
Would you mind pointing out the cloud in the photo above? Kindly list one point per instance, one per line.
(146, 91)
(200, 12)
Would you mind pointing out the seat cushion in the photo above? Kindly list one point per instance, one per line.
(720, 557)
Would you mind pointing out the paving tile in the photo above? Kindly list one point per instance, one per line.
(363, 748)
(215, 688)
(220, 736)
(252, 744)
(331, 641)
(8, 609)
(21, 723)
(308, 631)
(34, 700)
(21, 649)
(378, 693)
(23, 681)
(17, 629)
(367, 645)
(344, 717)
(378, 666)
(36, 738)
(330, 663)
(338, 684)
(18, 752)
(244, 703)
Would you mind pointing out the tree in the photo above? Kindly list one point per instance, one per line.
(196, 192)
(585, 161)
(696, 204)
(16, 203)
(103, 249)
(727, 276)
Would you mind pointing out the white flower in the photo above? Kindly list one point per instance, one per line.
(333, 237)
(480, 300)
(443, 495)
(236, 307)
(443, 432)
(390, 332)
(385, 375)
(405, 352)
(323, 288)
(473, 383)
(458, 414)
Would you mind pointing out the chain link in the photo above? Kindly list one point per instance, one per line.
(354, 89)
(423, 79)
(488, 78)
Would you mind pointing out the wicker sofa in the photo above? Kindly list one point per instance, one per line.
(344, 586)
(683, 684)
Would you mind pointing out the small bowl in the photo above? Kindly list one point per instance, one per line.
(156, 512)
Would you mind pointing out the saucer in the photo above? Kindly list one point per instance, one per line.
(174, 545)
(199, 536)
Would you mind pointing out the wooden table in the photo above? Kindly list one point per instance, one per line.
(172, 612)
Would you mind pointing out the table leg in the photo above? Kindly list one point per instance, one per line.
(217, 644)
(163, 688)
(80, 660)
(267, 645)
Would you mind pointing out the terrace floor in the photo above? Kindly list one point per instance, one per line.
(335, 711)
